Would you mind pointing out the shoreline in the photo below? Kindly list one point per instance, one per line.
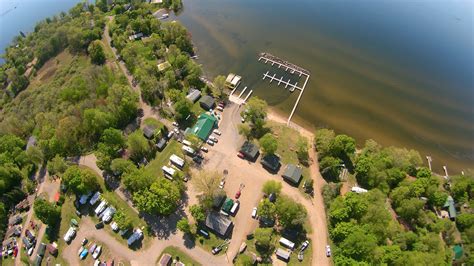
(275, 116)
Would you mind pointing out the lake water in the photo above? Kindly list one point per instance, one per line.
(16, 16)
(399, 72)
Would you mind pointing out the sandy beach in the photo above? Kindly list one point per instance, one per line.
(281, 118)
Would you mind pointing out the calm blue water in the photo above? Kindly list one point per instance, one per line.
(25, 16)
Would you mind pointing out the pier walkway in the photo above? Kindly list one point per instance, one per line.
(288, 67)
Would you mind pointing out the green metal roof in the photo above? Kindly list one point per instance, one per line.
(227, 205)
(204, 126)
(458, 251)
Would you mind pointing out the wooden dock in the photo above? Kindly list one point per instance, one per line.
(266, 57)
(241, 98)
(288, 67)
(280, 81)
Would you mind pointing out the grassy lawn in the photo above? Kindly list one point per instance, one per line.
(287, 138)
(208, 243)
(179, 255)
(67, 213)
(150, 121)
(105, 255)
(162, 158)
(307, 258)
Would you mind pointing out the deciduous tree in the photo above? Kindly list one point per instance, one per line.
(268, 143)
(162, 198)
(289, 212)
(96, 52)
(47, 212)
(272, 186)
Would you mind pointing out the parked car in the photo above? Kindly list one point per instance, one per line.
(80, 251)
(30, 251)
(99, 225)
(237, 195)
(328, 251)
(84, 198)
(96, 253)
(83, 254)
(216, 250)
(217, 132)
(222, 183)
(240, 155)
(92, 248)
(214, 139)
(197, 160)
(114, 226)
(175, 124)
(254, 212)
(220, 108)
(84, 241)
(204, 149)
(304, 245)
(210, 142)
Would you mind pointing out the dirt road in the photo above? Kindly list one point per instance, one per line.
(252, 175)
(139, 258)
(148, 111)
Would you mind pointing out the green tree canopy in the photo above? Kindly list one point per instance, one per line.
(183, 108)
(57, 165)
(47, 212)
(266, 209)
(123, 221)
(121, 166)
(137, 180)
(218, 87)
(269, 143)
(272, 186)
(289, 212)
(184, 226)
(198, 213)
(138, 146)
(96, 52)
(263, 238)
(162, 198)
(81, 181)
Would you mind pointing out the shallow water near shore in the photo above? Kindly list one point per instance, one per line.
(399, 72)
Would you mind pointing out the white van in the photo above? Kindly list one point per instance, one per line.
(70, 234)
(235, 207)
(101, 207)
(287, 243)
(187, 143)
